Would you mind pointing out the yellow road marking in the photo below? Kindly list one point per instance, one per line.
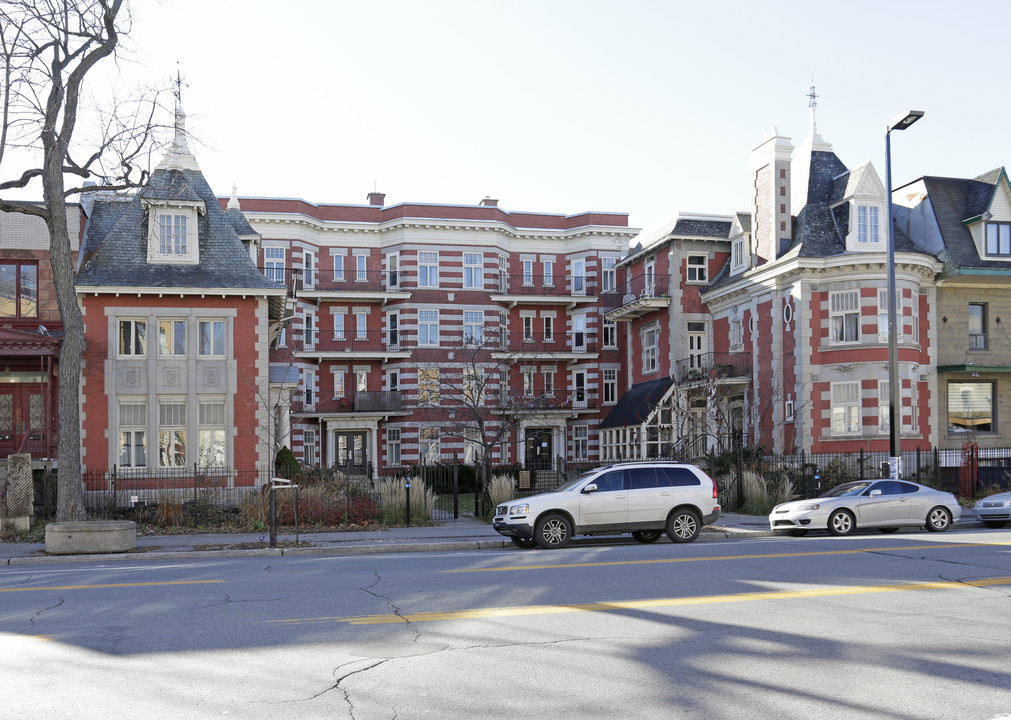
(642, 604)
(110, 585)
(766, 556)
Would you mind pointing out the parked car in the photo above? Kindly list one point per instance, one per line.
(994, 510)
(645, 499)
(883, 504)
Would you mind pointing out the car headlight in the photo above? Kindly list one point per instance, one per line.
(808, 507)
(519, 509)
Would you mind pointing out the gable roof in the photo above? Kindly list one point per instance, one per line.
(116, 237)
(955, 200)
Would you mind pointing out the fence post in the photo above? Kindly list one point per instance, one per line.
(273, 515)
(740, 481)
(195, 496)
(803, 475)
(862, 461)
(456, 488)
(407, 500)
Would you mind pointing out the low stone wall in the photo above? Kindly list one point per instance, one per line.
(88, 537)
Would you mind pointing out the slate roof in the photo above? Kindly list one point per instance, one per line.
(701, 228)
(635, 405)
(955, 200)
(117, 231)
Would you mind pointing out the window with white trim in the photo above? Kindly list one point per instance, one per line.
(737, 255)
(473, 386)
(610, 386)
(579, 333)
(549, 382)
(698, 270)
(172, 338)
(736, 333)
(428, 327)
(429, 447)
(393, 447)
(788, 411)
(309, 388)
(308, 269)
(428, 386)
(361, 380)
(172, 236)
(528, 382)
(609, 333)
(845, 408)
(132, 432)
(309, 331)
(309, 446)
(132, 337)
(549, 328)
(393, 270)
(844, 316)
(580, 442)
(361, 325)
(211, 338)
(339, 390)
(650, 351)
(549, 273)
(171, 433)
(867, 224)
(473, 327)
(528, 327)
(579, 277)
(428, 269)
(528, 272)
(473, 270)
(338, 268)
(211, 434)
(338, 326)
(607, 273)
(273, 263)
(472, 446)
(361, 268)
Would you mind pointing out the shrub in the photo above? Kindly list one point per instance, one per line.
(393, 501)
(285, 464)
(501, 488)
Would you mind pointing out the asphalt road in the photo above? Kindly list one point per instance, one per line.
(910, 625)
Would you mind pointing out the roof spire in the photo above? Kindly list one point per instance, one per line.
(233, 202)
(179, 145)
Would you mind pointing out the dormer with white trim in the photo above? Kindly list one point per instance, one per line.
(863, 196)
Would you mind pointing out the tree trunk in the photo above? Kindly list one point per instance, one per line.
(70, 492)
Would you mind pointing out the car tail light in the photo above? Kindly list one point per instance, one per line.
(716, 492)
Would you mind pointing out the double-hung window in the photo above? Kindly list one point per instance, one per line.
(19, 290)
(580, 442)
(473, 271)
(171, 433)
(393, 447)
(361, 268)
(549, 329)
(844, 316)
(132, 433)
(171, 234)
(428, 269)
(610, 386)
(428, 327)
(473, 327)
(649, 349)
(845, 408)
(338, 327)
(361, 326)
(607, 273)
(211, 434)
(549, 273)
(610, 333)
(273, 263)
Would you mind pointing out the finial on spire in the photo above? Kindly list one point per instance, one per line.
(233, 202)
(179, 144)
(812, 102)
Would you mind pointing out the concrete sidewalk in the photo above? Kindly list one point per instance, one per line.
(466, 533)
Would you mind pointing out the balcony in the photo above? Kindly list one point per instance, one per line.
(642, 295)
(355, 285)
(720, 367)
(533, 288)
(520, 346)
(385, 345)
(362, 401)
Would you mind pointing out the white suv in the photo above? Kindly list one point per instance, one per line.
(644, 498)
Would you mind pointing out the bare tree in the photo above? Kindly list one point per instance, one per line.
(48, 48)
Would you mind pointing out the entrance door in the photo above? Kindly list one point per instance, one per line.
(350, 452)
(539, 451)
(22, 420)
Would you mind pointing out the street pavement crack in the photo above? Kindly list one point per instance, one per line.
(33, 618)
(393, 606)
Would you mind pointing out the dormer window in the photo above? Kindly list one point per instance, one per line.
(737, 255)
(172, 233)
(867, 224)
(998, 238)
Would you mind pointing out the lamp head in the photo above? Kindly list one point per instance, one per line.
(904, 120)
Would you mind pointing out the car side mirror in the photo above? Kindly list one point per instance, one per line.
(592, 487)
(875, 493)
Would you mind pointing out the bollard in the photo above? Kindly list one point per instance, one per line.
(407, 511)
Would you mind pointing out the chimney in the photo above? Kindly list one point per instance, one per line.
(489, 201)
(771, 218)
(377, 198)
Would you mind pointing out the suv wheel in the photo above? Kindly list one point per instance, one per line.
(647, 536)
(683, 526)
(553, 531)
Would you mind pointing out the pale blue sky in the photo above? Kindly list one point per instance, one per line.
(570, 105)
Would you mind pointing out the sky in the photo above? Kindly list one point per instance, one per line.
(565, 106)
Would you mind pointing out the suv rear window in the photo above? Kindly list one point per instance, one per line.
(677, 477)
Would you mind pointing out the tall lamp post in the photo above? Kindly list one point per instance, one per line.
(899, 122)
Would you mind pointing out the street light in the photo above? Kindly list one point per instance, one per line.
(899, 122)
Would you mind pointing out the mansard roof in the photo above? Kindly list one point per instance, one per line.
(116, 237)
(956, 200)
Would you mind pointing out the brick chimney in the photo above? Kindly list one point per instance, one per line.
(377, 198)
(489, 201)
